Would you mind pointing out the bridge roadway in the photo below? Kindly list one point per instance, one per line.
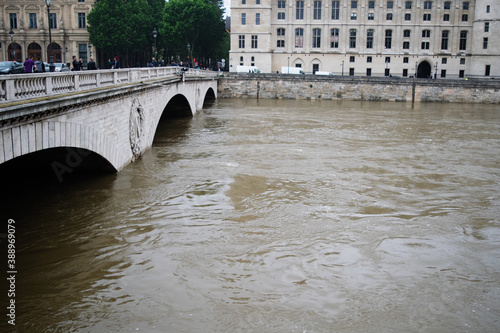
(93, 119)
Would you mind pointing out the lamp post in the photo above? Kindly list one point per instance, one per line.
(155, 34)
(90, 50)
(13, 53)
(288, 65)
(51, 55)
(342, 67)
(436, 71)
(189, 52)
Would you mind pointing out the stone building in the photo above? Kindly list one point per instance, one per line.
(427, 38)
(24, 29)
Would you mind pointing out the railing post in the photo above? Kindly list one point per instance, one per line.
(98, 79)
(76, 82)
(115, 77)
(10, 90)
(48, 85)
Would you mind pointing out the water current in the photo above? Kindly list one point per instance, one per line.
(276, 216)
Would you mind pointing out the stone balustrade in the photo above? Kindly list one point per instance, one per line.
(24, 86)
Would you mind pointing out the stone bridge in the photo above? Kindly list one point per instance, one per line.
(93, 119)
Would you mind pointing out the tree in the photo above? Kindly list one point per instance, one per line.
(198, 23)
(124, 27)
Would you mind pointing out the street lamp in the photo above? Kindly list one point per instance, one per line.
(342, 67)
(155, 34)
(436, 71)
(189, 52)
(51, 55)
(90, 50)
(288, 65)
(13, 53)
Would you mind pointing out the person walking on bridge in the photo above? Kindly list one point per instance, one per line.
(29, 64)
(76, 64)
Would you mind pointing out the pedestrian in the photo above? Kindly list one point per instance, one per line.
(76, 64)
(115, 64)
(153, 62)
(29, 64)
(80, 62)
(91, 65)
(40, 66)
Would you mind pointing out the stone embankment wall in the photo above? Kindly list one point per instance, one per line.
(358, 88)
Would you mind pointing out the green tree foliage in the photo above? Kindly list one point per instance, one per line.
(199, 23)
(124, 27)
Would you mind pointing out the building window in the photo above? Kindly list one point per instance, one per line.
(462, 61)
(316, 38)
(369, 38)
(406, 60)
(446, 17)
(81, 0)
(317, 10)
(485, 43)
(461, 73)
(371, 4)
(488, 9)
(427, 4)
(407, 33)
(465, 17)
(388, 39)
(241, 41)
(443, 73)
(444, 40)
(368, 72)
(281, 15)
(408, 5)
(281, 35)
(405, 72)
(407, 17)
(243, 2)
(425, 45)
(465, 6)
(257, 19)
(463, 40)
(13, 20)
(354, 16)
(299, 12)
(486, 26)
(427, 17)
(335, 10)
(447, 5)
(354, 4)
(351, 71)
(406, 45)
(243, 19)
(280, 32)
(371, 16)
(82, 52)
(387, 60)
(32, 20)
(369, 59)
(352, 59)
(390, 4)
(444, 61)
(426, 33)
(53, 21)
(281, 4)
(299, 38)
(257, 2)
(487, 70)
(352, 38)
(241, 61)
(389, 17)
(81, 21)
(334, 38)
(280, 43)
(254, 41)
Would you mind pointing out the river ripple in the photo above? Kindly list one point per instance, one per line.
(277, 216)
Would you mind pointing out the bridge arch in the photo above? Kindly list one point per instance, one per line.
(80, 145)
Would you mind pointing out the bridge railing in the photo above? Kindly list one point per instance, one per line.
(24, 86)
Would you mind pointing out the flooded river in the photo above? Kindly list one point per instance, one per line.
(276, 216)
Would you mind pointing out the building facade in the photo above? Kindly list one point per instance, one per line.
(24, 30)
(426, 38)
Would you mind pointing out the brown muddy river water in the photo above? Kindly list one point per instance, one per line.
(276, 216)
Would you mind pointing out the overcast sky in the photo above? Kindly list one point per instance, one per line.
(227, 4)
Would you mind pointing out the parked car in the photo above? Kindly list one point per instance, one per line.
(11, 67)
(60, 67)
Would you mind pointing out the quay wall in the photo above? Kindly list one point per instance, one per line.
(281, 86)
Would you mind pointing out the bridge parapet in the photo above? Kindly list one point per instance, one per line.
(24, 86)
